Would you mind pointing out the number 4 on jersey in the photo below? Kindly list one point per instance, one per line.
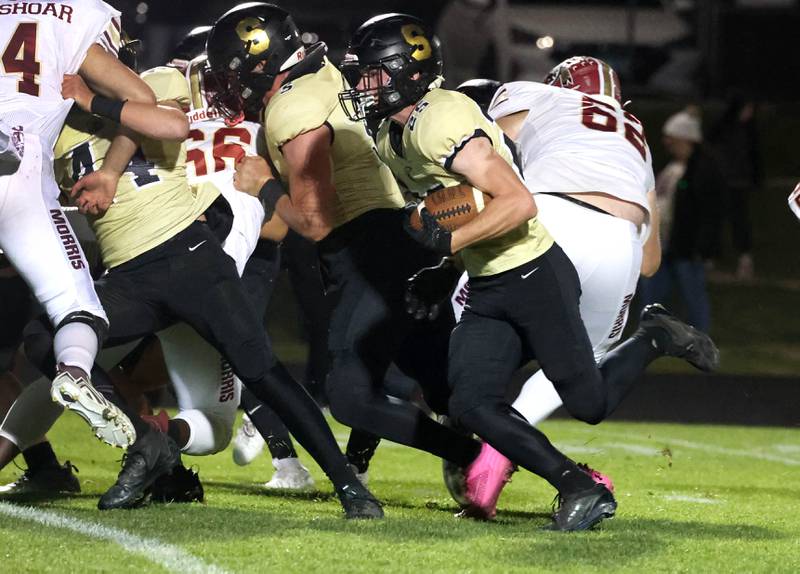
(19, 57)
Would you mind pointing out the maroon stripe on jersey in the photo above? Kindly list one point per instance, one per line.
(109, 45)
(116, 24)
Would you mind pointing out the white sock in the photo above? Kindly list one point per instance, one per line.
(538, 399)
(75, 345)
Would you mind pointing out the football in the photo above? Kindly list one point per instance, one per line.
(452, 206)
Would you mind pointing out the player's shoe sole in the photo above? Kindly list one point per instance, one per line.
(107, 421)
(684, 341)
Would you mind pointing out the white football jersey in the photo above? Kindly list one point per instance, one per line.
(212, 150)
(571, 142)
(41, 42)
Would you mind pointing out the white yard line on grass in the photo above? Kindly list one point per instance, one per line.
(692, 445)
(168, 556)
(697, 499)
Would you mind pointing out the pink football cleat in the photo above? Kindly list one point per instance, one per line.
(597, 476)
(485, 478)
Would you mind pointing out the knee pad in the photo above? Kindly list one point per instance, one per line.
(210, 431)
(98, 325)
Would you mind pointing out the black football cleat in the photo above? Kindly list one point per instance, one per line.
(180, 485)
(150, 456)
(45, 480)
(583, 510)
(683, 341)
(358, 502)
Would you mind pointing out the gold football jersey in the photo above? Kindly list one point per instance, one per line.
(361, 180)
(154, 201)
(440, 125)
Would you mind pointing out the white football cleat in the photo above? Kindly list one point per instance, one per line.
(290, 474)
(108, 422)
(248, 443)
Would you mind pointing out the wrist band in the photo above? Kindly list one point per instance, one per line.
(107, 108)
(270, 193)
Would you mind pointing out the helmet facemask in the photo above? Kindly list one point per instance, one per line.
(371, 91)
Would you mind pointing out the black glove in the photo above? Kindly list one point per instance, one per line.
(429, 288)
(432, 235)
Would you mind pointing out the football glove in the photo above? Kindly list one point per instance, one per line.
(428, 289)
(431, 235)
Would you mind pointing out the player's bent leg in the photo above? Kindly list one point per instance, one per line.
(225, 317)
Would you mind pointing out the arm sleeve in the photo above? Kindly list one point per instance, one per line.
(443, 132)
(168, 84)
(98, 23)
(290, 117)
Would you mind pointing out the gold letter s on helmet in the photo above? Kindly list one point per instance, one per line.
(250, 30)
(415, 36)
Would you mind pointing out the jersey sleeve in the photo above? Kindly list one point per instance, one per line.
(445, 127)
(168, 84)
(99, 24)
(295, 114)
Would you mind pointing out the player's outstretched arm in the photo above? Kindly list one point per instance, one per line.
(512, 204)
(124, 96)
(651, 252)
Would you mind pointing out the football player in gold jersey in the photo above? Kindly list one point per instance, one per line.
(523, 290)
(343, 197)
(164, 266)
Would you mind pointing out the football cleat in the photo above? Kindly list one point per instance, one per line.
(455, 481)
(485, 479)
(358, 503)
(290, 474)
(597, 476)
(46, 480)
(151, 456)
(683, 341)
(179, 485)
(583, 510)
(108, 422)
(248, 443)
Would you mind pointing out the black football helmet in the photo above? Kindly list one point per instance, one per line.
(129, 51)
(480, 90)
(191, 45)
(403, 47)
(247, 47)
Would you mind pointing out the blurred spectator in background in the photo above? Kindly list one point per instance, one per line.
(689, 191)
(735, 143)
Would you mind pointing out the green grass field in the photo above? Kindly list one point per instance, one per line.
(691, 499)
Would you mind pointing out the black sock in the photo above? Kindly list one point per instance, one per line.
(269, 425)
(625, 365)
(360, 449)
(300, 414)
(40, 456)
